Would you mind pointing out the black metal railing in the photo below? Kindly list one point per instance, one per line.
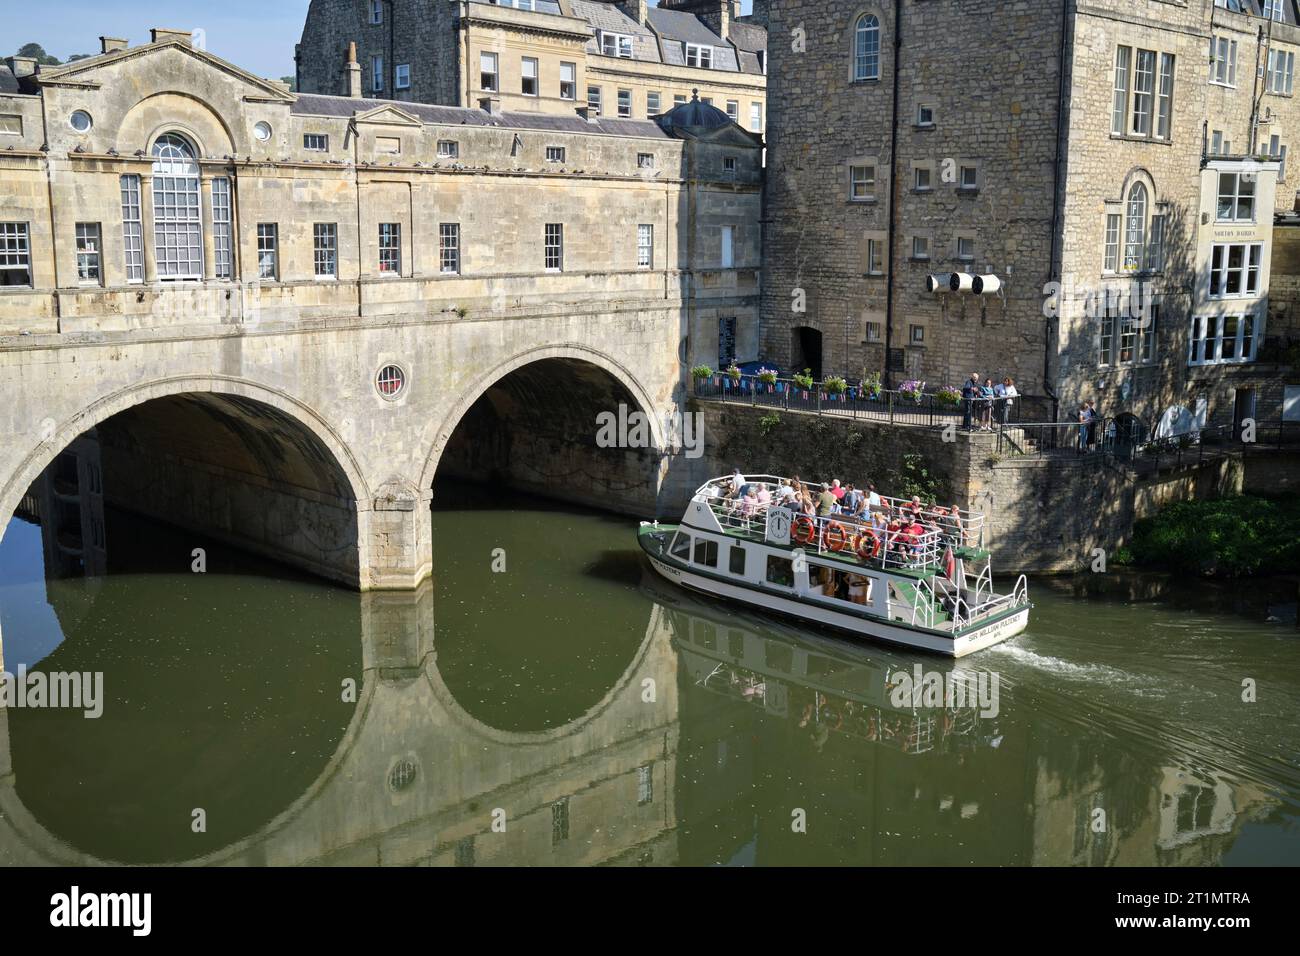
(1120, 441)
(858, 401)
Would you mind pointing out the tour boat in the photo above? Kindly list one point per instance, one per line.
(930, 589)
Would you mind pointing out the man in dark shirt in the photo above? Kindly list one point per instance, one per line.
(970, 393)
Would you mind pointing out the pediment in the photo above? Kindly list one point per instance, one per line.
(388, 115)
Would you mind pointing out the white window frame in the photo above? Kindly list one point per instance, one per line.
(448, 149)
(728, 256)
(485, 60)
(1223, 61)
(1235, 198)
(1206, 339)
(268, 251)
(625, 104)
(866, 48)
(556, 154)
(402, 77)
(390, 249)
(875, 257)
(654, 103)
(449, 248)
(16, 252)
(1280, 73)
(920, 247)
(1248, 271)
(862, 182)
(177, 210)
(376, 12)
(569, 86)
(594, 98)
(316, 142)
(223, 245)
(616, 44)
(755, 117)
(1110, 250)
(325, 251)
(377, 74)
(553, 247)
(526, 64)
(645, 246)
(699, 55)
(132, 228)
(90, 253)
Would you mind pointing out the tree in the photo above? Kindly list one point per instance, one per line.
(37, 53)
(292, 81)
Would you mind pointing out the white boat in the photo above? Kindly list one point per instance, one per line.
(927, 584)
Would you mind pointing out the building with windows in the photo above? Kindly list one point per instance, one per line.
(1082, 198)
(622, 59)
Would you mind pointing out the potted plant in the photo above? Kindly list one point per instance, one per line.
(701, 372)
(804, 380)
(871, 384)
(767, 376)
(948, 396)
(913, 389)
(733, 372)
(835, 385)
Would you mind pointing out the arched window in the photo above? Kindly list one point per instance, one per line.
(177, 220)
(866, 48)
(1135, 229)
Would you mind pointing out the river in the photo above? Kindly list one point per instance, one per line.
(544, 701)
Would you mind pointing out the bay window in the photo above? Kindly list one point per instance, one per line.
(1234, 269)
(1222, 339)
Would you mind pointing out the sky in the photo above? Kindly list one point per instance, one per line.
(257, 35)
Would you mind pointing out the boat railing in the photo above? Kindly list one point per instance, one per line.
(923, 604)
(961, 527)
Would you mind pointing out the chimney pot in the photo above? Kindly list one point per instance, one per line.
(353, 72)
(21, 66)
(162, 35)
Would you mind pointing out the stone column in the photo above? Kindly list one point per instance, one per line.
(146, 228)
(209, 245)
(396, 533)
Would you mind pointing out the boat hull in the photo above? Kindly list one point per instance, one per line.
(972, 639)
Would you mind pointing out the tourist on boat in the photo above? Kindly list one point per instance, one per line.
(873, 499)
(826, 502)
(914, 506)
(749, 503)
(764, 497)
(837, 490)
(851, 500)
(785, 493)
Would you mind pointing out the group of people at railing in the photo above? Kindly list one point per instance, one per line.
(837, 517)
(984, 404)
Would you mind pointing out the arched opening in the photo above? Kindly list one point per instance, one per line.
(529, 499)
(175, 548)
(806, 350)
(559, 428)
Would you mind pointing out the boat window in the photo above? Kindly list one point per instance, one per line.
(827, 582)
(737, 560)
(778, 656)
(736, 644)
(706, 635)
(780, 571)
(706, 552)
(682, 546)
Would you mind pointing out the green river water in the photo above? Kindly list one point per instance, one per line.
(571, 709)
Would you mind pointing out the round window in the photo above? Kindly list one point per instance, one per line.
(401, 776)
(81, 121)
(262, 131)
(391, 381)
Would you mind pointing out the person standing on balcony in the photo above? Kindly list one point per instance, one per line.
(1010, 395)
(969, 395)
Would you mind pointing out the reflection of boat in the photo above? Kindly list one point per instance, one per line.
(820, 685)
(918, 576)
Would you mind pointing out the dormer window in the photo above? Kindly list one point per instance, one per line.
(616, 44)
(699, 56)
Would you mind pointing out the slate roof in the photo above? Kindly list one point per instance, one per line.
(610, 19)
(540, 6)
(314, 104)
(749, 37)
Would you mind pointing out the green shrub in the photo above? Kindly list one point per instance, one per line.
(1231, 537)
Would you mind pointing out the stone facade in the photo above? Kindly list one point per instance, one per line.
(1000, 153)
(431, 51)
(234, 267)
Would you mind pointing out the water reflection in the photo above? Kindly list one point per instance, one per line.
(601, 717)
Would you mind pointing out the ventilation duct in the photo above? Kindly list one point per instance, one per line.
(961, 282)
(938, 283)
(986, 285)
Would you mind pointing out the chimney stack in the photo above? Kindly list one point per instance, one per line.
(353, 71)
(490, 105)
(161, 35)
(635, 9)
(21, 66)
(112, 44)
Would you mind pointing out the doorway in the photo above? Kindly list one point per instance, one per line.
(806, 351)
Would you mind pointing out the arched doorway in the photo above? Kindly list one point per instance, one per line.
(806, 350)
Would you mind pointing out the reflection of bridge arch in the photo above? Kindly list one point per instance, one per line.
(575, 353)
(57, 436)
(351, 813)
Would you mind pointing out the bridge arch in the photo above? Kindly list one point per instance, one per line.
(239, 403)
(572, 353)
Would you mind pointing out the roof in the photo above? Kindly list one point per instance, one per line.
(540, 6)
(695, 115)
(8, 82)
(343, 107)
(605, 17)
(749, 37)
(682, 26)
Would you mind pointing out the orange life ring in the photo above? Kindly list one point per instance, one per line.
(868, 545)
(836, 536)
(804, 530)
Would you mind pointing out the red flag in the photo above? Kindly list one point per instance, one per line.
(949, 564)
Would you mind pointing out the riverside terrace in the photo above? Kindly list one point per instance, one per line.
(858, 400)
